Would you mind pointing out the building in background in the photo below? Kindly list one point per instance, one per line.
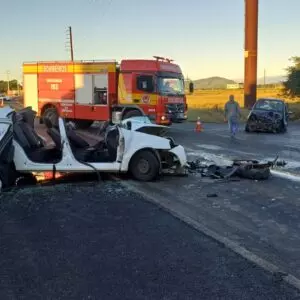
(234, 86)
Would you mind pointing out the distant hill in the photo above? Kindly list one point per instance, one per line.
(269, 79)
(212, 83)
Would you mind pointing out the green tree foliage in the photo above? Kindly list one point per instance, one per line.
(13, 85)
(292, 84)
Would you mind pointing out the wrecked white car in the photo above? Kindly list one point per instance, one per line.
(22, 150)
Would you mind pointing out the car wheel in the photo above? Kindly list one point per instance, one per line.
(247, 128)
(25, 180)
(254, 174)
(144, 166)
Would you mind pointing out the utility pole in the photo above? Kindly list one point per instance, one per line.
(251, 30)
(264, 77)
(69, 44)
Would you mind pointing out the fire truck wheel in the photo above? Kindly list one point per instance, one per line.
(83, 124)
(132, 113)
(144, 166)
(52, 115)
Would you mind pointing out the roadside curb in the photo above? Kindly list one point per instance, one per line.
(234, 246)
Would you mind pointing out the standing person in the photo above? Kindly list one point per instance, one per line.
(232, 113)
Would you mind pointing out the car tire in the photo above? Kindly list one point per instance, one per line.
(52, 115)
(254, 174)
(132, 113)
(144, 166)
(247, 128)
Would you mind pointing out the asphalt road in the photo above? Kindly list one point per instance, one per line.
(104, 242)
(215, 141)
(258, 220)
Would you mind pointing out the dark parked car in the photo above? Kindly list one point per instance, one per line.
(268, 115)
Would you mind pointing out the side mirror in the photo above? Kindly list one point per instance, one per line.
(129, 125)
(191, 87)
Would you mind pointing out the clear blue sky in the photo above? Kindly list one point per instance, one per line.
(206, 37)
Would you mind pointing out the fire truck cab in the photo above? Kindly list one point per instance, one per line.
(87, 91)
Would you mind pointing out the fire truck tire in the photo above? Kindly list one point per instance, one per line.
(144, 166)
(83, 124)
(52, 115)
(131, 113)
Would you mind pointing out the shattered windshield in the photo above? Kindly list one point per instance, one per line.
(170, 86)
(269, 105)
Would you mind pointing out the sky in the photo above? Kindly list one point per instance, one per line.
(205, 37)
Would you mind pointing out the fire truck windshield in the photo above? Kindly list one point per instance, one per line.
(170, 86)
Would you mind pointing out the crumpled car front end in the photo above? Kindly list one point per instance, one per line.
(174, 160)
(172, 157)
(264, 121)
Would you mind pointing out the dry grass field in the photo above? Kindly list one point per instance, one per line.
(209, 104)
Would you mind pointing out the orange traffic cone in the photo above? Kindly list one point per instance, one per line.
(199, 127)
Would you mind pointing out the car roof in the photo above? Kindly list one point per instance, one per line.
(270, 99)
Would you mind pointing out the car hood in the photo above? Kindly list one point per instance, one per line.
(145, 126)
(265, 115)
(153, 129)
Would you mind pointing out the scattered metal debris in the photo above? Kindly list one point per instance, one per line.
(252, 169)
(249, 169)
(212, 195)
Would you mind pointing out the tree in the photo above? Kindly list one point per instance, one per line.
(13, 85)
(292, 84)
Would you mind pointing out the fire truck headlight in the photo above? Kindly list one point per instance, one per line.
(163, 118)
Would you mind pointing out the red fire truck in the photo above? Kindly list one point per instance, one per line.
(87, 91)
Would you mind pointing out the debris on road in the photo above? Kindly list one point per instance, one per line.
(212, 195)
(252, 169)
(248, 169)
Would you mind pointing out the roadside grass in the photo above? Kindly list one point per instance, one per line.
(209, 104)
(211, 115)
